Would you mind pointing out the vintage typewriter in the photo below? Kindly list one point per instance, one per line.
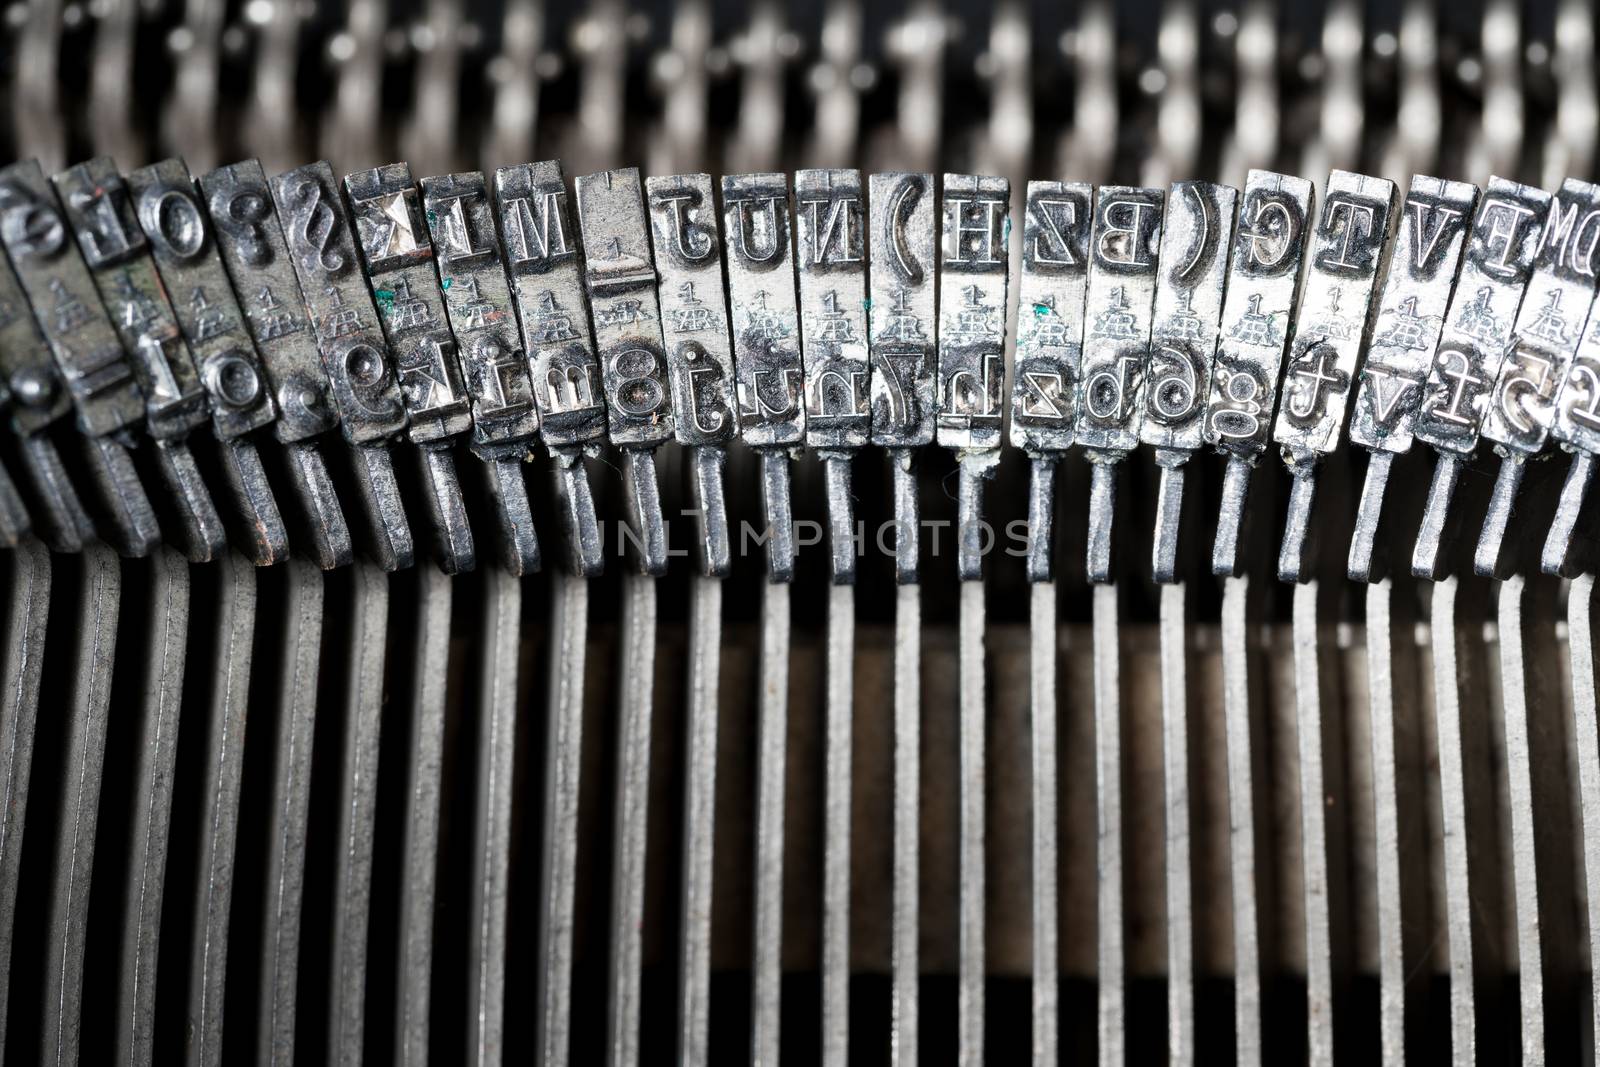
(909, 534)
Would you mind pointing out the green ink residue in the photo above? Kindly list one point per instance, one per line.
(433, 218)
(866, 305)
(1041, 310)
(1005, 231)
(445, 284)
(385, 298)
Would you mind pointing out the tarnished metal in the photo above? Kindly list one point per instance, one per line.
(1257, 321)
(27, 620)
(1123, 247)
(1586, 733)
(901, 342)
(219, 837)
(296, 699)
(1477, 334)
(100, 212)
(1576, 427)
(1432, 235)
(541, 250)
(167, 619)
(621, 283)
(1349, 251)
(345, 323)
(392, 237)
(174, 221)
(89, 706)
(1196, 237)
(1522, 406)
(250, 242)
(975, 229)
(86, 349)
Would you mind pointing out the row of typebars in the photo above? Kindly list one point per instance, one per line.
(287, 365)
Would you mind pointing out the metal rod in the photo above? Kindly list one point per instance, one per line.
(1046, 850)
(301, 642)
(699, 819)
(491, 845)
(837, 740)
(1179, 826)
(1586, 732)
(1321, 802)
(973, 724)
(15, 522)
(219, 837)
(88, 709)
(1558, 557)
(1108, 788)
(418, 889)
(632, 814)
(1243, 822)
(771, 777)
(569, 622)
(68, 526)
(27, 618)
(903, 1038)
(352, 890)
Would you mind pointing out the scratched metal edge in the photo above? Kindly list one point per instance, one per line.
(569, 613)
(414, 960)
(699, 821)
(220, 837)
(90, 701)
(296, 699)
(491, 844)
(27, 618)
(168, 621)
(352, 893)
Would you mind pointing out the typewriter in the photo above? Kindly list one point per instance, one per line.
(745, 533)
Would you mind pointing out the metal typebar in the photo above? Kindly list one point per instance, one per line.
(84, 345)
(254, 252)
(386, 215)
(771, 765)
(483, 316)
(1543, 342)
(553, 312)
(342, 317)
(419, 886)
(175, 224)
(27, 619)
(1432, 236)
(89, 706)
(1455, 398)
(1536, 773)
(904, 358)
(168, 629)
(830, 256)
(1248, 854)
(1111, 968)
(1576, 427)
(219, 837)
(634, 708)
(569, 621)
(1471, 890)
(974, 230)
(1586, 734)
(491, 843)
(352, 890)
(1257, 321)
(688, 259)
(296, 699)
(1196, 238)
(1046, 851)
(100, 212)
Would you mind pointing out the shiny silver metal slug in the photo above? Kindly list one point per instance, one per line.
(1549, 326)
(1196, 239)
(1434, 221)
(1257, 321)
(250, 242)
(345, 323)
(621, 282)
(541, 250)
(392, 238)
(1349, 252)
(483, 317)
(1478, 333)
(1124, 244)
